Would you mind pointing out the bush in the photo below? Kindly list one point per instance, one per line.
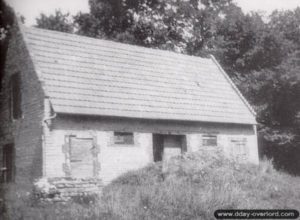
(147, 175)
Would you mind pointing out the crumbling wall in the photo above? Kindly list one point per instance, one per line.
(62, 189)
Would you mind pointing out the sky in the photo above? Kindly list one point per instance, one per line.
(31, 9)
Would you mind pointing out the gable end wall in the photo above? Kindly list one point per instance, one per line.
(25, 133)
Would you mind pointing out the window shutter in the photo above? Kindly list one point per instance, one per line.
(239, 148)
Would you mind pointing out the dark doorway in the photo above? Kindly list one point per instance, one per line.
(166, 146)
(158, 147)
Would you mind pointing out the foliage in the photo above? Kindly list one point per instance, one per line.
(183, 26)
(274, 88)
(6, 21)
(57, 22)
(192, 187)
(43, 189)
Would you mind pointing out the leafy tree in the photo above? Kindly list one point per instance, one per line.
(287, 22)
(246, 43)
(6, 21)
(183, 26)
(58, 22)
(263, 58)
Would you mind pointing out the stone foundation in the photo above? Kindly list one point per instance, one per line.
(63, 189)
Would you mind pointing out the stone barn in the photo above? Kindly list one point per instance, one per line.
(84, 108)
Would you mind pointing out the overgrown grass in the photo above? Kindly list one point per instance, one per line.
(188, 187)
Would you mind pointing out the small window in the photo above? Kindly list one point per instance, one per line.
(124, 138)
(15, 97)
(240, 146)
(210, 140)
(8, 166)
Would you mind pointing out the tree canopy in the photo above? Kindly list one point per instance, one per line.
(6, 21)
(183, 26)
(58, 22)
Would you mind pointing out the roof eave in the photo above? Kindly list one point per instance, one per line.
(254, 122)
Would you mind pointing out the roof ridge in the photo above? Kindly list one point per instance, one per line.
(116, 43)
(94, 53)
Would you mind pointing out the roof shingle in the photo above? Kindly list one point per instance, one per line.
(90, 76)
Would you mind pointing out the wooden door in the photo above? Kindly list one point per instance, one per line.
(81, 157)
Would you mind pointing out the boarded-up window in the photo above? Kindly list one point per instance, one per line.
(239, 148)
(15, 96)
(209, 140)
(126, 138)
(8, 167)
(81, 157)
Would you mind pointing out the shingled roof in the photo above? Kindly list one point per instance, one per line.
(90, 76)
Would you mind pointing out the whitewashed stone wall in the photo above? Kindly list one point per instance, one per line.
(118, 159)
(114, 159)
(194, 142)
